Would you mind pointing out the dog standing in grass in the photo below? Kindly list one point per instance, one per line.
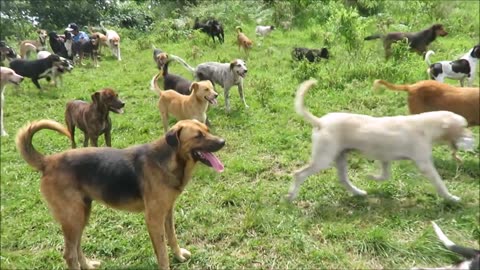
(243, 41)
(8, 76)
(143, 178)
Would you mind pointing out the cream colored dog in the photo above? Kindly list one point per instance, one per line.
(381, 138)
(8, 75)
(193, 106)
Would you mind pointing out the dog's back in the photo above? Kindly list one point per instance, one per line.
(31, 68)
(175, 82)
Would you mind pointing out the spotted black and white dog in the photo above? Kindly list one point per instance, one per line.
(460, 69)
(472, 256)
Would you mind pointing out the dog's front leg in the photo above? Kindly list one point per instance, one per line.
(180, 253)
(35, 81)
(108, 137)
(428, 169)
(385, 174)
(2, 97)
(155, 214)
(341, 163)
(240, 92)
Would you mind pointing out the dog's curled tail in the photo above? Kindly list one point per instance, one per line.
(373, 37)
(299, 102)
(401, 87)
(464, 251)
(24, 141)
(239, 29)
(427, 57)
(154, 83)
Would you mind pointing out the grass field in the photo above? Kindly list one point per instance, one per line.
(238, 219)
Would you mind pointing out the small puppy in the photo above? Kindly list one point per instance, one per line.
(90, 47)
(8, 75)
(93, 118)
(36, 69)
(27, 46)
(243, 41)
(193, 106)
(57, 71)
(471, 255)
(160, 58)
(381, 138)
(312, 55)
(461, 69)
(263, 31)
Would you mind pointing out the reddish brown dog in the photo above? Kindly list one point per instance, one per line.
(430, 95)
(148, 177)
(243, 41)
(93, 118)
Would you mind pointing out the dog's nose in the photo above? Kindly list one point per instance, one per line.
(122, 104)
(216, 95)
(221, 142)
(21, 79)
(246, 70)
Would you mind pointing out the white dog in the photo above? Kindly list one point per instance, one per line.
(263, 31)
(225, 74)
(381, 138)
(460, 69)
(7, 76)
(113, 41)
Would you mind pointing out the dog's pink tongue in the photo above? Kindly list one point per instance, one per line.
(216, 163)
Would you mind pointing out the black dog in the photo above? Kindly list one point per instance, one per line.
(36, 69)
(90, 47)
(175, 82)
(58, 44)
(312, 55)
(6, 52)
(211, 27)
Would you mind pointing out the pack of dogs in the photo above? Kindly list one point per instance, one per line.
(150, 177)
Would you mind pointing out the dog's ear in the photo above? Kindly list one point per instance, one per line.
(194, 87)
(39, 31)
(232, 64)
(96, 97)
(173, 137)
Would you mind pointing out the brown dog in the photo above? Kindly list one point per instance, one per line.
(418, 41)
(426, 96)
(27, 46)
(93, 119)
(193, 106)
(102, 39)
(243, 41)
(147, 177)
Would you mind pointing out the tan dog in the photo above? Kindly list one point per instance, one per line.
(243, 41)
(430, 95)
(8, 75)
(102, 39)
(148, 177)
(385, 139)
(113, 39)
(193, 106)
(27, 46)
(93, 118)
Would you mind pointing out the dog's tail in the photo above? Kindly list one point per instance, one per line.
(90, 30)
(400, 87)
(239, 29)
(299, 102)
(104, 30)
(468, 253)
(373, 37)
(24, 141)
(427, 57)
(154, 84)
(181, 61)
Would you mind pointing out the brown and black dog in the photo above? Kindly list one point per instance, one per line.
(418, 41)
(102, 39)
(429, 95)
(148, 177)
(90, 47)
(93, 118)
(243, 41)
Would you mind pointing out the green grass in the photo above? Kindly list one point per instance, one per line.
(238, 219)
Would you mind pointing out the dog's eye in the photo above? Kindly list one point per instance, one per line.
(200, 135)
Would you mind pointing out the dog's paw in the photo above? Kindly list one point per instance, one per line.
(453, 198)
(290, 196)
(91, 264)
(183, 255)
(359, 192)
(4, 133)
(376, 177)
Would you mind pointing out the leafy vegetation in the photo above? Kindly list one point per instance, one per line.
(238, 219)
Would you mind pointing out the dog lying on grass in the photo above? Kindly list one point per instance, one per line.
(382, 138)
(472, 256)
(143, 178)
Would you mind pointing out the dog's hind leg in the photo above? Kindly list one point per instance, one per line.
(180, 253)
(35, 81)
(428, 169)
(84, 262)
(385, 174)
(321, 159)
(341, 163)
